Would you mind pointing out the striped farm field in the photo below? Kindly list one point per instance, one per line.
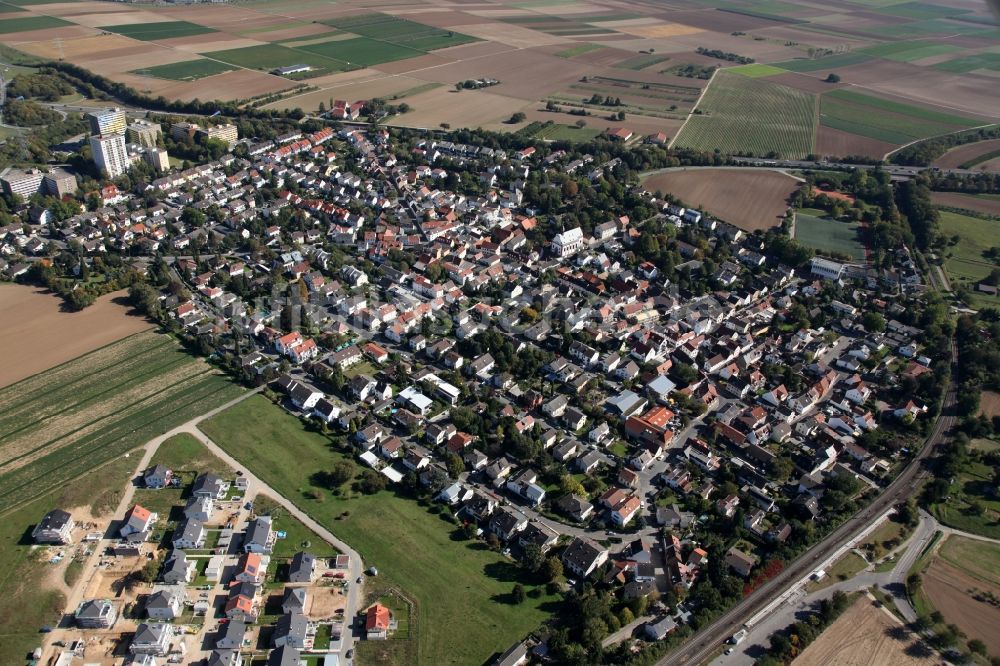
(883, 119)
(823, 64)
(57, 425)
(740, 114)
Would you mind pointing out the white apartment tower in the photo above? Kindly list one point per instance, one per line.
(110, 154)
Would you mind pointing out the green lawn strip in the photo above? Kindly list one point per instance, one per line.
(26, 606)
(149, 32)
(985, 157)
(557, 132)
(361, 51)
(757, 70)
(975, 236)
(829, 235)
(580, 49)
(460, 587)
(272, 56)
(831, 62)
(132, 430)
(8, 26)
(980, 559)
(849, 565)
(189, 70)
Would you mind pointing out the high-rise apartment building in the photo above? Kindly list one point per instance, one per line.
(110, 154)
(107, 121)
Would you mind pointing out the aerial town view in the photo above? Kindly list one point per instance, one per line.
(499, 332)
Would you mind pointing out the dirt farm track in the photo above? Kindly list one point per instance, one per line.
(866, 636)
(36, 334)
(750, 199)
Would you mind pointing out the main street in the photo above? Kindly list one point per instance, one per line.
(702, 644)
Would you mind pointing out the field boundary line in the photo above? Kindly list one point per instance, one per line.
(118, 412)
(694, 108)
(3, 389)
(938, 136)
(8, 507)
(136, 378)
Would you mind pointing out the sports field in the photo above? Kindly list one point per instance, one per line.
(57, 425)
(884, 119)
(273, 56)
(190, 70)
(825, 234)
(976, 235)
(458, 585)
(148, 32)
(740, 114)
(30, 23)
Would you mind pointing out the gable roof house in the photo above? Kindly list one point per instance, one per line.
(259, 536)
(290, 631)
(189, 534)
(156, 477)
(583, 556)
(302, 568)
(151, 638)
(138, 523)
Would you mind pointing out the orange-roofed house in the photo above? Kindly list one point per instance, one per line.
(138, 520)
(620, 134)
(378, 622)
(250, 569)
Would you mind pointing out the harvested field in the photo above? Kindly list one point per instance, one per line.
(477, 109)
(842, 644)
(241, 84)
(66, 32)
(28, 313)
(837, 143)
(967, 154)
(963, 94)
(953, 592)
(750, 199)
(82, 46)
(652, 28)
(513, 35)
(966, 202)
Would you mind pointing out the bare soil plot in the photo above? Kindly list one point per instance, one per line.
(989, 405)
(962, 154)
(134, 17)
(65, 32)
(547, 73)
(240, 84)
(838, 143)
(953, 593)
(967, 202)
(512, 35)
(748, 199)
(469, 108)
(863, 636)
(324, 601)
(84, 47)
(28, 313)
(412, 64)
(210, 42)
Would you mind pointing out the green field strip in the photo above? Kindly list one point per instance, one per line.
(908, 51)
(27, 23)
(149, 32)
(188, 70)
(106, 417)
(133, 380)
(921, 10)
(70, 387)
(65, 464)
(635, 63)
(757, 70)
(827, 63)
(777, 18)
(901, 108)
(970, 63)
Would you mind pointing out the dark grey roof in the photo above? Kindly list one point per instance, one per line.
(55, 519)
(290, 624)
(283, 656)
